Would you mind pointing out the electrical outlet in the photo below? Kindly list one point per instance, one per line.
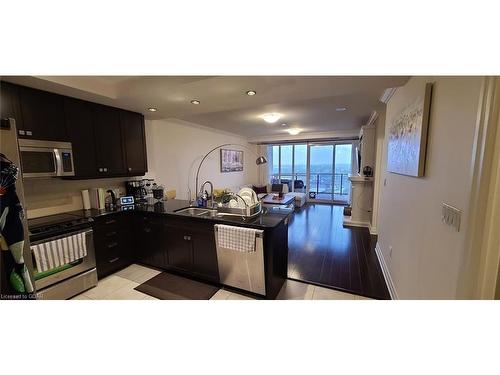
(451, 216)
(390, 251)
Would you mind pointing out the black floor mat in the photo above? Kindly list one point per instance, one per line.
(172, 287)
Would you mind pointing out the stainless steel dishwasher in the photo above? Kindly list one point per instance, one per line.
(243, 270)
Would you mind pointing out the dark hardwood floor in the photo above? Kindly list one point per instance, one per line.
(322, 251)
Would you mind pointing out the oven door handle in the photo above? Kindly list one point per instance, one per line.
(85, 232)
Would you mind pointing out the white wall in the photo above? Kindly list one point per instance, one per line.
(175, 149)
(427, 254)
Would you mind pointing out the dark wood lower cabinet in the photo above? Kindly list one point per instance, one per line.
(179, 248)
(113, 243)
(205, 254)
(176, 244)
(161, 242)
(149, 241)
(191, 248)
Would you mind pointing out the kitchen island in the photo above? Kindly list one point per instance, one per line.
(160, 236)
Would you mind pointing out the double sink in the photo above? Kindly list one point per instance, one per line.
(198, 212)
(246, 212)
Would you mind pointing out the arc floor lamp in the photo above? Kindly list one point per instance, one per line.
(259, 161)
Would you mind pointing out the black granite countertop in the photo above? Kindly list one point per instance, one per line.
(269, 218)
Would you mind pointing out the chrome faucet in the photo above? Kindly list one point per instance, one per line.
(211, 192)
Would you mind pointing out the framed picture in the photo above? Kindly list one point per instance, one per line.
(231, 160)
(407, 138)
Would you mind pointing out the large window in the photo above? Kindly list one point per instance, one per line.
(289, 166)
(319, 169)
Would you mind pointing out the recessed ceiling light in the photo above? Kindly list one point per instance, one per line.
(341, 109)
(194, 101)
(284, 124)
(271, 118)
(152, 109)
(293, 131)
(251, 92)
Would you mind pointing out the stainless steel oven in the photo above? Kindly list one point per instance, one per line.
(70, 278)
(46, 158)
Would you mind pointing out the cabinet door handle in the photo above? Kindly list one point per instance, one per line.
(110, 234)
(129, 169)
(112, 221)
(22, 132)
(100, 169)
(29, 132)
(113, 260)
(111, 245)
(187, 238)
(147, 230)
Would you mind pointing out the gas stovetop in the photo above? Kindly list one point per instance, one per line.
(56, 224)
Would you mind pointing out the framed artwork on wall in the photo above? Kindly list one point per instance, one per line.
(231, 160)
(407, 138)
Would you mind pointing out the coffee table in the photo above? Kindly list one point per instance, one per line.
(285, 201)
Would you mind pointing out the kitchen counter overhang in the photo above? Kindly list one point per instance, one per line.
(270, 217)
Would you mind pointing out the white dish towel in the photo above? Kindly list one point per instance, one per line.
(59, 252)
(236, 238)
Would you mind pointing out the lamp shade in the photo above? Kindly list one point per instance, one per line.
(261, 160)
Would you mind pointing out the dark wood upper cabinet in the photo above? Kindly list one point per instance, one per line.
(9, 103)
(108, 141)
(80, 128)
(43, 115)
(134, 142)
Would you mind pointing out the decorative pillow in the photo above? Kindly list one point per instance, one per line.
(260, 189)
(277, 188)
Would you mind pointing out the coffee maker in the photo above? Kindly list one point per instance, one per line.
(136, 189)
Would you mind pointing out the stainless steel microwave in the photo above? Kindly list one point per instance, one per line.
(46, 158)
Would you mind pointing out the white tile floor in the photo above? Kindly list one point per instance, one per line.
(120, 286)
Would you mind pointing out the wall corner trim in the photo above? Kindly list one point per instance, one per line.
(386, 273)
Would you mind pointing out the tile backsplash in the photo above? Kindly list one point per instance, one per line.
(53, 196)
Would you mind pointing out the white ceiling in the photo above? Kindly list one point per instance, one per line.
(306, 102)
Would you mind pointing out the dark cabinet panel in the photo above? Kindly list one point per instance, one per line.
(108, 141)
(205, 254)
(78, 118)
(134, 142)
(112, 241)
(43, 115)
(149, 244)
(191, 248)
(9, 103)
(180, 251)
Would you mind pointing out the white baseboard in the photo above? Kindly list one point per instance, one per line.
(385, 272)
(373, 230)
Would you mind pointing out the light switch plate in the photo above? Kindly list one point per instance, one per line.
(451, 216)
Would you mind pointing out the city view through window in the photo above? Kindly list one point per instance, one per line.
(329, 167)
